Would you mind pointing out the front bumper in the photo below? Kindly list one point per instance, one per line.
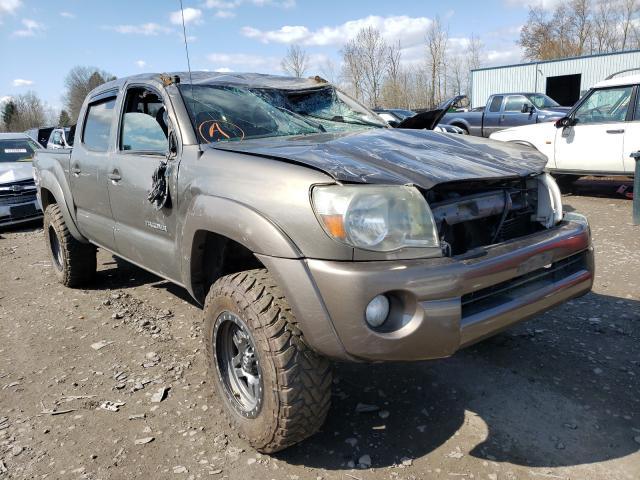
(18, 210)
(440, 305)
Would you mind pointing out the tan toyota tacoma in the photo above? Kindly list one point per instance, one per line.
(308, 230)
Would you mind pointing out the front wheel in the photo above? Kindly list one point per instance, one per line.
(275, 389)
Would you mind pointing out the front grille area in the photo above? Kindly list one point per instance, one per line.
(501, 293)
(15, 193)
(476, 214)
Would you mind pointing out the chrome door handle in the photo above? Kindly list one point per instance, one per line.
(114, 176)
(621, 130)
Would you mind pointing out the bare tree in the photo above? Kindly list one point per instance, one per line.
(296, 61)
(78, 83)
(437, 40)
(329, 71)
(374, 57)
(628, 12)
(580, 27)
(352, 69)
(365, 64)
(23, 112)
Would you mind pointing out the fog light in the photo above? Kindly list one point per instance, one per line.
(377, 311)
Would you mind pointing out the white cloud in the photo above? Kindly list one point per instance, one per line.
(225, 14)
(5, 98)
(190, 15)
(141, 63)
(223, 70)
(21, 82)
(31, 28)
(408, 30)
(9, 7)
(67, 15)
(502, 57)
(147, 29)
(545, 4)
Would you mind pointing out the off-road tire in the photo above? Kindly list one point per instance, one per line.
(297, 381)
(76, 264)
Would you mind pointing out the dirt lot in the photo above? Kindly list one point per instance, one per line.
(555, 398)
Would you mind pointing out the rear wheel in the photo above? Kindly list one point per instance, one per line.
(74, 263)
(275, 389)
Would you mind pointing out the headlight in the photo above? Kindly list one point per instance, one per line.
(549, 201)
(378, 218)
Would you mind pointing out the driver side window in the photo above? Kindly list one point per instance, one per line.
(608, 105)
(144, 122)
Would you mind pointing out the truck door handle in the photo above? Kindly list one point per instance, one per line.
(75, 170)
(621, 130)
(114, 176)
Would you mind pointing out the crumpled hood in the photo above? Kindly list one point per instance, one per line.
(420, 157)
(15, 171)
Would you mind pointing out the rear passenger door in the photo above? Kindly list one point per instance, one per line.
(144, 234)
(491, 119)
(512, 115)
(88, 171)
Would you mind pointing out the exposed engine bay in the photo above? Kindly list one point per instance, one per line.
(475, 214)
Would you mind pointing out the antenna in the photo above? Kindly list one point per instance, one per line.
(186, 49)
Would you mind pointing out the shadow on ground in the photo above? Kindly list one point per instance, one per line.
(530, 396)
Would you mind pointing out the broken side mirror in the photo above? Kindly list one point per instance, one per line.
(172, 151)
(565, 122)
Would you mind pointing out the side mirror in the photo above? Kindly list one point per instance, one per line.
(173, 145)
(526, 108)
(564, 122)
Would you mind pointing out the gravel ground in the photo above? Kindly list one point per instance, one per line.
(555, 398)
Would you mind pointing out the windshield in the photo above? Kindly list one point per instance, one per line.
(542, 101)
(325, 105)
(222, 113)
(17, 150)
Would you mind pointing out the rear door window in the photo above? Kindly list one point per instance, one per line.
(97, 127)
(496, 102)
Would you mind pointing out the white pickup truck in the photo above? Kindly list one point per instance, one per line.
(597, 137)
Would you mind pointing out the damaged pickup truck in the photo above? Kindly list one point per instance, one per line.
(308, 230)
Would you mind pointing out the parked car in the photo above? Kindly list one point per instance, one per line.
(395, 116)
(307, 238)
(507, 110)
(61, 138)
(18, 203)
(596, 137)
(41, 135)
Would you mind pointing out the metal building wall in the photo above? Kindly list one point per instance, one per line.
(531, 77)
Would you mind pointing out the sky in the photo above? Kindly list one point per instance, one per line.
(41, 40)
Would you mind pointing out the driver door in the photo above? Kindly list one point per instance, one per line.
(144, 234)
(595, 143)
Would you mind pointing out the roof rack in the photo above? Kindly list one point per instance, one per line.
(622, 71)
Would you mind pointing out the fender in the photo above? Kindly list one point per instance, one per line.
(236, 221)
(47, 180)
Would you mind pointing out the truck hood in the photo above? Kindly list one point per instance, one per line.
(555, 111)
(397, 156)
(15, 171)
